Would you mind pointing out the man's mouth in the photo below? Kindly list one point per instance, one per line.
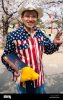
(30, 23)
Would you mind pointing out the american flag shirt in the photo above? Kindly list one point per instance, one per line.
(29, 49)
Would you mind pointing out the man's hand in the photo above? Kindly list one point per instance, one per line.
(17, 74)
(57, 39)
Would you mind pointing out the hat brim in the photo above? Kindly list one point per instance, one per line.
(38, 10)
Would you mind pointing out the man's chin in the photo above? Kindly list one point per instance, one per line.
(30, 26)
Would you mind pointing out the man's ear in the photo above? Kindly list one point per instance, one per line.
(21, 19)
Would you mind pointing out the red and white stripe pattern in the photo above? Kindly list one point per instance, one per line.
(32, 56)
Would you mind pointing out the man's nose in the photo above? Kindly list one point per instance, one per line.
(30, 17)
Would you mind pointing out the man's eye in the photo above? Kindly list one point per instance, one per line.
(27, 16)
(34, 16)
(30, 16)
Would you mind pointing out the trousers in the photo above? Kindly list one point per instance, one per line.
(38, 90)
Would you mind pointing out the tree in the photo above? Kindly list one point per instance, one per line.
(7, 15)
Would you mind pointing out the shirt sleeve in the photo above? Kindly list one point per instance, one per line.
(10, 47)
(49, 47)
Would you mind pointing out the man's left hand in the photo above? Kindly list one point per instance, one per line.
(57, 39)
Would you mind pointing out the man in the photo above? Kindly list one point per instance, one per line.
(29, 42)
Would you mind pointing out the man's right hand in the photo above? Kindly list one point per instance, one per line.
(17, 74)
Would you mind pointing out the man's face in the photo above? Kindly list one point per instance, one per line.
(29, 18)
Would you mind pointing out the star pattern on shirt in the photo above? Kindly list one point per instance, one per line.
(21, 34)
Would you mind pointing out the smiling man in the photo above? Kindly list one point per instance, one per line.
(29, 18)
(29, 43)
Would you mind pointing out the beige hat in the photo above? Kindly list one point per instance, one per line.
(21, 9)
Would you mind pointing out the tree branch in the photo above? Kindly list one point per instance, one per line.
(6, 12)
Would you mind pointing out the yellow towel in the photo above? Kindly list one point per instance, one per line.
(28, 74)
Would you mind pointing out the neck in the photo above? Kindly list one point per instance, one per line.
(29, 30)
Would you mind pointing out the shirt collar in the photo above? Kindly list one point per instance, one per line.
(36, 32)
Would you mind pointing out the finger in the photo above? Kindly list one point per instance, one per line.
(16, 74)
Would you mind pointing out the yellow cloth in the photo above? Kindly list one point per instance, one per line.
(28, 74)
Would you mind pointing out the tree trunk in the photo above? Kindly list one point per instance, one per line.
(5, 31)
